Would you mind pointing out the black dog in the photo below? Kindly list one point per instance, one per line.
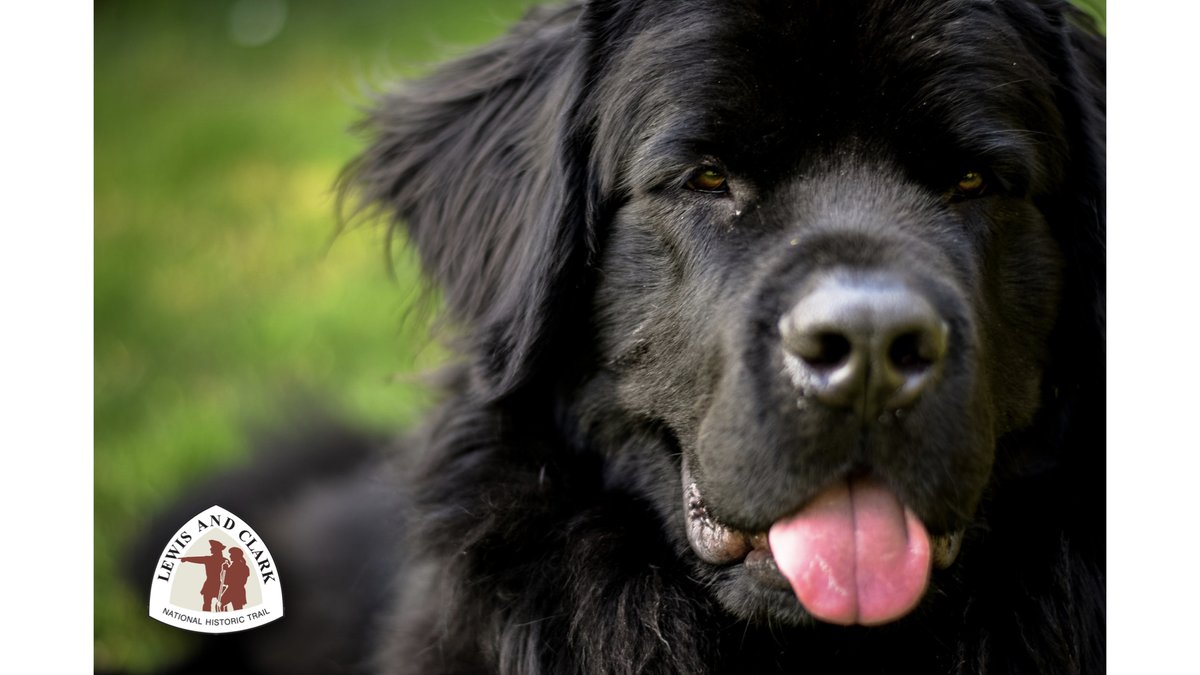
(784, 350)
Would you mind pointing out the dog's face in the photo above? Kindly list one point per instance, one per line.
(811, 254)
(829, 278)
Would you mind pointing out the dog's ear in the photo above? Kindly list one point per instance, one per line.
(1074, 50)
(483, 164)
(1083, 77)
(1080, 341)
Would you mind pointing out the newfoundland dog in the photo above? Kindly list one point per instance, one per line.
(782, 350)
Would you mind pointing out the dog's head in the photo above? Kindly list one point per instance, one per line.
(833, 267)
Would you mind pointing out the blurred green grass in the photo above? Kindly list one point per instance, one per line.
(220, 287)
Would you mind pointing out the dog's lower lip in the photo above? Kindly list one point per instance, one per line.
(719, 544)
(713, 541)
(761, 565)
(944, 548)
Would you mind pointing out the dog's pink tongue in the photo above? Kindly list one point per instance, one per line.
(854, 555)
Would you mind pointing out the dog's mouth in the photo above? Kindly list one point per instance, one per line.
(854, 555)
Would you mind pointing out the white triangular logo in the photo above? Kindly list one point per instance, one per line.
(216, 576)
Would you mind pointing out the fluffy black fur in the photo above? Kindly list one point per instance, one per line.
(618, 323)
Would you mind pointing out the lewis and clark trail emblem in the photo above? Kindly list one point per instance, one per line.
(216, 576)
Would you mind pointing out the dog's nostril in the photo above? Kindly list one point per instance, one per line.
(826, 350)
(910, 352)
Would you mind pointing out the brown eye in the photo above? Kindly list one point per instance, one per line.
(708, 179)
(971, 184)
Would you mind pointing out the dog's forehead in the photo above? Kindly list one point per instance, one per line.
(840, 48)
(763, 76)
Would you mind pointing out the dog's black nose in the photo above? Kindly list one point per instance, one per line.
(865, 342)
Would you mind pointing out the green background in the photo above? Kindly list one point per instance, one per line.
(225, 295)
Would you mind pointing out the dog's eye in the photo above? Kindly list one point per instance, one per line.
(971, 184)
(708, 179)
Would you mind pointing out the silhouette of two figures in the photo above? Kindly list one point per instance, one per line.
(225, 578)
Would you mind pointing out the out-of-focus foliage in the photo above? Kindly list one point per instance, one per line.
(1096, 8)
(223, 293)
